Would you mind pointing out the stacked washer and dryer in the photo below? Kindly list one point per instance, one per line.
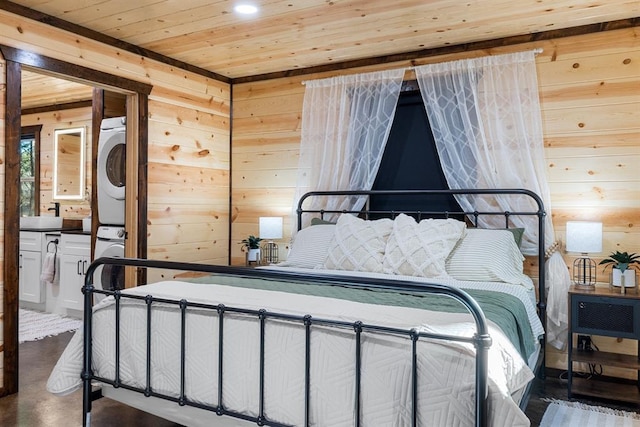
(111, 202)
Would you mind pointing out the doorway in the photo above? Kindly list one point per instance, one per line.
(136, 111)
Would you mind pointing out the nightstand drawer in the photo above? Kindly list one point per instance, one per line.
(617, 317)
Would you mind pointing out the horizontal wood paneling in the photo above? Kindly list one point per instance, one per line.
(183, 189)
(213, 119)
(260, 160)
(275, 141)
(608, 195)
(591, 93)
(593, 168)
(604, 68)
(600, 119)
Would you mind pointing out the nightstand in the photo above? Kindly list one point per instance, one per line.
(603, 312)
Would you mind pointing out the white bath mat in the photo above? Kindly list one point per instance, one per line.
(34, 325)
(575, 414)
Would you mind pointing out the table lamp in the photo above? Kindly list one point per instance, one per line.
(584, 237)
(270, 229)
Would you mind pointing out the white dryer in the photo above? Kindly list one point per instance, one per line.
(111, 171)
(109, 243)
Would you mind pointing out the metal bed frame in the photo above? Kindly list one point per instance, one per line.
(481, 339)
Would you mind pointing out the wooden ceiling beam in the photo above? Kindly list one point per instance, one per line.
(56, 107)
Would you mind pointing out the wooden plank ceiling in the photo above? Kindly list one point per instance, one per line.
(40, 90)
(294, 34)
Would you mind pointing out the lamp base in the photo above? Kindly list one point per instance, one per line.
(269, 253)
(584, 272)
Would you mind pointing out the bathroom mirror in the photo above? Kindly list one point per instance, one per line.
(68, 164)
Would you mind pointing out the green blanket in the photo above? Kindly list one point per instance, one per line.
(504, 310)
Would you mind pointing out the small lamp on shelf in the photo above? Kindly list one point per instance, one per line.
(584, 237)
(270, 229)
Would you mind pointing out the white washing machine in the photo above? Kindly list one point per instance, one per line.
(111, 170)
(109, 243)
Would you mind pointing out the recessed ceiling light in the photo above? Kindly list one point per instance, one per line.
(246, 9)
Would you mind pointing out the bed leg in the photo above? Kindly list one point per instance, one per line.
(86, 405)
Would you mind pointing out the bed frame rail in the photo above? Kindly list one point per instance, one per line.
(481, 339)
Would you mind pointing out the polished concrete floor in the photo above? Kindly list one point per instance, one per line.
(33, 406)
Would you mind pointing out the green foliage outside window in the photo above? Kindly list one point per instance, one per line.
(28, 197)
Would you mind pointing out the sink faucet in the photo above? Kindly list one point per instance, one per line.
(55, 208)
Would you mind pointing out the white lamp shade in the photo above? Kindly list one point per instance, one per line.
(271, 227)
(584, 237)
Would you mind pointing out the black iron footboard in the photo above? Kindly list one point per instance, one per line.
(481, 339)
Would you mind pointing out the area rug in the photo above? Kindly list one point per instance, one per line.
(34, 325)
(560, 413)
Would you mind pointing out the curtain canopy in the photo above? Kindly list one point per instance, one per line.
(485, 117)
(345, 125)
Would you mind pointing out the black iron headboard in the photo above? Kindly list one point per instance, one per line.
(472, 216)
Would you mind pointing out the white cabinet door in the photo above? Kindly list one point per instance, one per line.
(72, 272)
(30, 286)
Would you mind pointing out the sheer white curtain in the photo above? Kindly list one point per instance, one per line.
(345, 126)
(485, 117)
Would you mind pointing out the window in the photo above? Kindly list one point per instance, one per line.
(29, 170)
(410, 161)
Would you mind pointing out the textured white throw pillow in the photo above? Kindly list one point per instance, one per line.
(358, 245)
(421, 248)
(487, 256)
(310, 247)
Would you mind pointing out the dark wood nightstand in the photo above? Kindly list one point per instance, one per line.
(603, 312)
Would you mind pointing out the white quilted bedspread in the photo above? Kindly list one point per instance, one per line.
(446, 384)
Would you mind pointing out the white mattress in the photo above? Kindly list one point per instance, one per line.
(446, 385)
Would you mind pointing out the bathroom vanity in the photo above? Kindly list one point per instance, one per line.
(72, 251)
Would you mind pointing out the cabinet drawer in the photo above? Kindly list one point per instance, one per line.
(30, 241)
(76, 244)
(616, 317)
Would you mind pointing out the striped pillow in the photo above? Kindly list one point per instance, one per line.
(310, 247)
(487, 256)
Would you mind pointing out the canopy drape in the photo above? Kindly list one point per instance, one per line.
(346, 122)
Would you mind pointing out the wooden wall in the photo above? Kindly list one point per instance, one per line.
(188, 212)
(591, 112)
(50, 121)
(3, 99)
(590, 96)
(189, 128)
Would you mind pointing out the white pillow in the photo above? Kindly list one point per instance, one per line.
(310, 247)
(421, 249)
(358, 244)
(487, 256)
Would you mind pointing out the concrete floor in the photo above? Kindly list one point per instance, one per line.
(34, 406)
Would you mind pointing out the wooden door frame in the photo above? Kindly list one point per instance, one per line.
(137, 96)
